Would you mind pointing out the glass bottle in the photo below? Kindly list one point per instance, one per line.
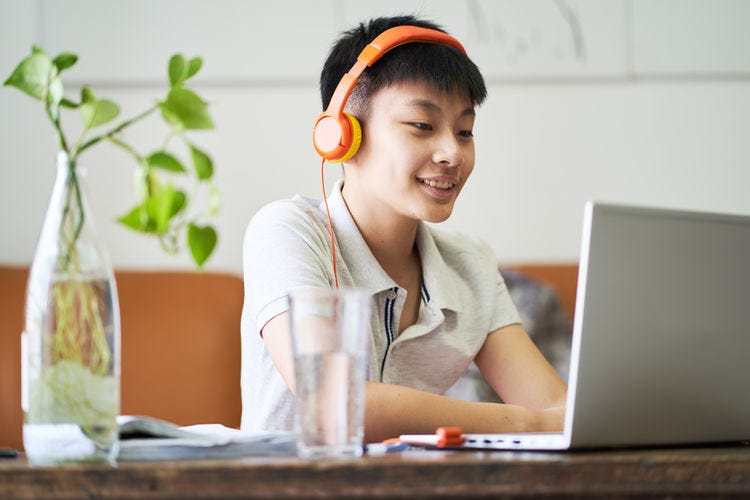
(71, 342)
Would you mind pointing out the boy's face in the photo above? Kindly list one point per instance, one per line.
(417, 152)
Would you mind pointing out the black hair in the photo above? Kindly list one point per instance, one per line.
(441, 66)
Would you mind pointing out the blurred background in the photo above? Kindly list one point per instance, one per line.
(630, 101)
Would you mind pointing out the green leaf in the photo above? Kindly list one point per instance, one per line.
(159, 207)
(178, 203)
(165, 161)
(177, 70)
(204, 167)
(185, 110)
(131, 219)
(37, 76)
(106, 110)
(202, 241)
(137, 220)
(65, 60)
(96, 112)
(163, 205)
(194, 66)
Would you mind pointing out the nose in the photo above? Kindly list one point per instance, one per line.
(448, 151)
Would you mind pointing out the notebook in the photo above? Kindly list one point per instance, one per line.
(661, 338)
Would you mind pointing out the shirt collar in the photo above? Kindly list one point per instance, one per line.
(438, 278)
(365, 271)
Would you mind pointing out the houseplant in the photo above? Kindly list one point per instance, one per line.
(71, 339)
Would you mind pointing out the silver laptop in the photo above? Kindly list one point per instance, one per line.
(661, 341)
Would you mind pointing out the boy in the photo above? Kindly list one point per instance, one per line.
(439, 303)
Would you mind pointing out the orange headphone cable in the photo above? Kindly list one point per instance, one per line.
(330, 224)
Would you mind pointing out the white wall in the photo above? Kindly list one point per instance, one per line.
(635, 101)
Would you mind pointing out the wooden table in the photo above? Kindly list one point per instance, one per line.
(701, 472)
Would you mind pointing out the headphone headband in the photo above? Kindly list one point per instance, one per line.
(400, 35)
(336, 136)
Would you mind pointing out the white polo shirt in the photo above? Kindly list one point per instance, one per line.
(287, 246)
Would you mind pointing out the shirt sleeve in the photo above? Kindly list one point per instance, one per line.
(503, 311)
(285, 247)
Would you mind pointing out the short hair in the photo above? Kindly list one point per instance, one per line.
(443, 67)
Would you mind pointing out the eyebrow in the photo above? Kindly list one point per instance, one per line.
(430, 106)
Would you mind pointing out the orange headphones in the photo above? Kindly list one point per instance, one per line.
(337, 135)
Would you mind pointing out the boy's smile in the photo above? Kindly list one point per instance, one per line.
(440, 187)
(417, 153)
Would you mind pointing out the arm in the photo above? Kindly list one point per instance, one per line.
(391, 410)
(520, 374)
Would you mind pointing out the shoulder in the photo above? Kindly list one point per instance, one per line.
(465, 261)
(286, 218)
(285, 246)
(466, 273)
(288, 211)
(463, 250)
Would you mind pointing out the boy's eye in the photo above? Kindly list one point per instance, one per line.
(422, 126)
(466, 133)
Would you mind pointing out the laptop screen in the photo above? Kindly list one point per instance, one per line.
(661, 336)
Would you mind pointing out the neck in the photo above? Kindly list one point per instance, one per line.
(390, 237)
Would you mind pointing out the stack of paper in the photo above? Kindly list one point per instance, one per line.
(147, 438)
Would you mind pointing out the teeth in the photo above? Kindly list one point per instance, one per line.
(438, 184)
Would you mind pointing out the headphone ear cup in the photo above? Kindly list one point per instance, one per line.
(356, 139)
(337, 139)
